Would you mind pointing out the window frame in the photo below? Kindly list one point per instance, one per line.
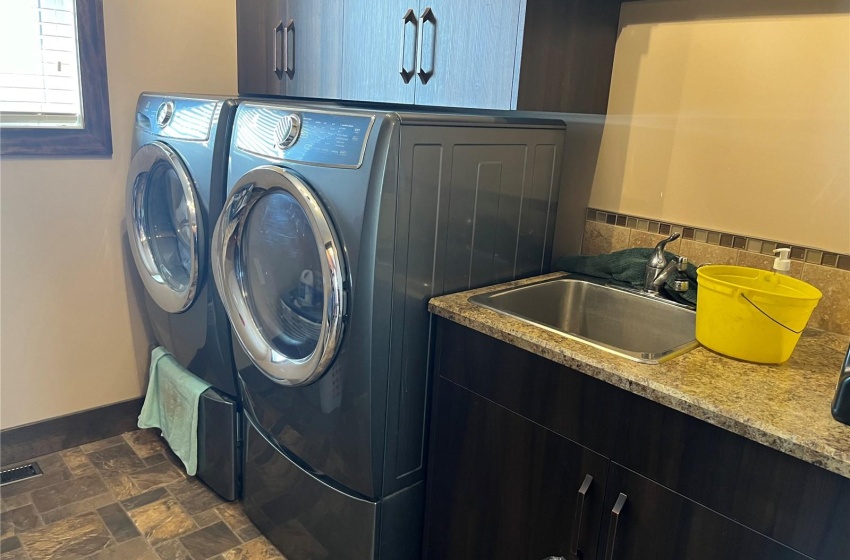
(95, 139)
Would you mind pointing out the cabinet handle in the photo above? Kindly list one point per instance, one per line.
(427, 15)
(288, 51)
(579, 513)
(409, 17)
(277, 67)
(612, 527)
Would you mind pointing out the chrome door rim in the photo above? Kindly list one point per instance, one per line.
(228, 271)
(144, 160)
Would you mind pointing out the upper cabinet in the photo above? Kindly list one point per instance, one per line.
(453, 54)
(289, 47)
(379, 51)
(544, 55)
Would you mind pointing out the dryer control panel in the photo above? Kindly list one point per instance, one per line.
(332, 139)
(176, 117)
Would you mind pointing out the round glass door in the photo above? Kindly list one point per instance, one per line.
(280, 272)
(164, 225)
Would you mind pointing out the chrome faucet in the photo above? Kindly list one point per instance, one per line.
(659, 269)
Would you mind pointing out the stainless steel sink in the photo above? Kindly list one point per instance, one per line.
(639, 327)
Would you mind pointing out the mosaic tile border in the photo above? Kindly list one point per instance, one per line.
(751, 244)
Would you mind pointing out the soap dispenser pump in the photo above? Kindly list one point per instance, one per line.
(782, 263)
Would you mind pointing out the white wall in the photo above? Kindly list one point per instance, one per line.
(71, 337)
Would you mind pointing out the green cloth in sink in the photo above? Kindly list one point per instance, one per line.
(628, 266)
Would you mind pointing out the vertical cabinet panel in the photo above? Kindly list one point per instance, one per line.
(258, 43)
(466, 53)
(504, 488)
(312, 48)
(657, 523)
(378, 44)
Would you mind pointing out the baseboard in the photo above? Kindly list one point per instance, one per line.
(55, 434)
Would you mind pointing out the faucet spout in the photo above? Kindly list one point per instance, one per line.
(658, 265)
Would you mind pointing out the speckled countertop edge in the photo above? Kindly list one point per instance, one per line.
(786, 407)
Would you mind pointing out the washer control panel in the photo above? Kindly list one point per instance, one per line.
(333, 139)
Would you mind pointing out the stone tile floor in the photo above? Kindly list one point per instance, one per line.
(122, 498)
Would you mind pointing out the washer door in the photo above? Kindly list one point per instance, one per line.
(165, 226)
(279, 268)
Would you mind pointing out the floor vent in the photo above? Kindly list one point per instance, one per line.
(18, 474)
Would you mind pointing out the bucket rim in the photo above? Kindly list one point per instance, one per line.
(701, 274)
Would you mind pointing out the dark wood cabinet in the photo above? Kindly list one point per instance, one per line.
(289, 47)
(655, 522)
(538, 55)
(692, 490)
(259, 53)
(503, 487)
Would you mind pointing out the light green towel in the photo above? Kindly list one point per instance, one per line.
(171, 405)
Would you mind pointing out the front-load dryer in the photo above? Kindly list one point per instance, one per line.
(339, 226)
(176, 187)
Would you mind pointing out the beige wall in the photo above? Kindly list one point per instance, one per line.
(732, 115)
(71, 335)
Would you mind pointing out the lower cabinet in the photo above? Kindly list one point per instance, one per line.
(645, 520)
(503, 487)
(531, 460)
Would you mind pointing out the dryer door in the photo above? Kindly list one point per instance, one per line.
(279, 269)
(165, 226)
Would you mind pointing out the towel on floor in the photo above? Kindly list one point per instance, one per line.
(628, 266)
(171, 404)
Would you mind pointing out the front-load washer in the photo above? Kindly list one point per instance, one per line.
(339, 226)
(176, 188)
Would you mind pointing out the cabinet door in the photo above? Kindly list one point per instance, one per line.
(312, 48)
(466, 53)
(502, 487)
(646, 520)
(259, 33)
(380, 50)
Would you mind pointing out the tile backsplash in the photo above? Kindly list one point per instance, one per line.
(606, 232)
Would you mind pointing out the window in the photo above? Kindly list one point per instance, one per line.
(53, 90)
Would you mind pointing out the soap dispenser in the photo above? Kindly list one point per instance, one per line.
(841, 403)
(782, 263)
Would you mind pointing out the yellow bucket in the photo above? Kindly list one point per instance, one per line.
(752, 314)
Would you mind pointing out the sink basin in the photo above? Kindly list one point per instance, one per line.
(633, 325)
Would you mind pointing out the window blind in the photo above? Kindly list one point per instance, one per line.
(39, 64)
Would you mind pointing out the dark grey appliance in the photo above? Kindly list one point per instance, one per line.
(339, 226)
(176, 187)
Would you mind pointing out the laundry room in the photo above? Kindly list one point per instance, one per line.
(358, 280)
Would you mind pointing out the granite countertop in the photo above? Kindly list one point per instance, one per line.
(786, 407)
